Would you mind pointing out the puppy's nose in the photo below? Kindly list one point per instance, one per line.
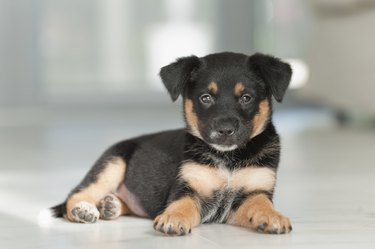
(228, 131)
(226, 126)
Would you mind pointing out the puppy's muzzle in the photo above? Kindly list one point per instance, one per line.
(224, 128)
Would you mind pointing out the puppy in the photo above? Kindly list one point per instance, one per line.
(220, 168)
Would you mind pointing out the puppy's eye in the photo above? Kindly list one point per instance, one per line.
(206, 99)
(246, 98)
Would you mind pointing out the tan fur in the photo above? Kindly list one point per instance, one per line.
(191, 118)
(180, 216)
(205, 179)
(111, 207)
(238, 89)
(257, 213)
(107, 181)
(260, 118)
(124, 208)
(213, 87)
(251, 179)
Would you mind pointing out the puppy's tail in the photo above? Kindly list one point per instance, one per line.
(47, 216)
(59, 210)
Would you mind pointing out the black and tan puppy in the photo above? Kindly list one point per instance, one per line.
(220, 168)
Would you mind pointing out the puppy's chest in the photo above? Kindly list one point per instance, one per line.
(219, 186)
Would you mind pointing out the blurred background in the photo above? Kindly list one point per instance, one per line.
(94, 53)
(79, 75)
(75, 69)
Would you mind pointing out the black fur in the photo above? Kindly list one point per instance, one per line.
(275, 73)
(153, 161)
(176, 75)
(59, 210)
(251, 154)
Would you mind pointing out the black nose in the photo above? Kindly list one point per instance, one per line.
(228, 131)
(226, 126)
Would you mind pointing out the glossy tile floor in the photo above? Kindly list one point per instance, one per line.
(325, 184)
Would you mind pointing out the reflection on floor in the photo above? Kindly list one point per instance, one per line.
(325, 185)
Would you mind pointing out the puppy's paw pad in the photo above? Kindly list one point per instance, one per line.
(172, 224)
(84, 212)
(109, 207)
(270, 221)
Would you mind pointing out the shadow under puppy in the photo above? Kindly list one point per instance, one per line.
(220, 168)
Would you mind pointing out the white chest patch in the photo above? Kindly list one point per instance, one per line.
(205, 179)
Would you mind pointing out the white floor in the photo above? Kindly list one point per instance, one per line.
(326, 186)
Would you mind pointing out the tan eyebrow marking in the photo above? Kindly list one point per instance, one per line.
(238, 89)
(213, 87)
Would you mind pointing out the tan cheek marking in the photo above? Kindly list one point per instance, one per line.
(107, 181)
(191, 118)
(213, 87)
(238, 89)
(260, 118)
(251, 179)
(203, 178)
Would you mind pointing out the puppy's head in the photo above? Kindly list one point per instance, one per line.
(227, 96)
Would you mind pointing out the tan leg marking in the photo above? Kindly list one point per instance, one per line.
(107, 181)
(213, 87)
(238, 89)
(179, 217)
(84, 212)
(257, 213)
(260, 118)
(124, 208)
(111, 207)
(192, 118)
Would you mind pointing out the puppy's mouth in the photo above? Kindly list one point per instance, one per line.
(224, 147)
(222, 143)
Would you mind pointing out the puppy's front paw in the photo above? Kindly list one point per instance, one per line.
(172, 224)
(84, 212)
(270, 221)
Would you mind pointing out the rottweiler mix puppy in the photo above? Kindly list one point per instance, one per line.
(220, 168)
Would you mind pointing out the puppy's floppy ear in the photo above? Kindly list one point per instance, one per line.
(177, 74)
(275, 73)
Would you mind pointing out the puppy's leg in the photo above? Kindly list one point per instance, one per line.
(111, 207)
(179, 217)
(258, 213)
(102, 179)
